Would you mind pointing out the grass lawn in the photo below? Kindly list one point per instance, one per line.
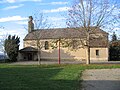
(44, 77)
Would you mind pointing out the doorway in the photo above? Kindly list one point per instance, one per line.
(30, 56)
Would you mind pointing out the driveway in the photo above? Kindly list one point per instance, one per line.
(46, 62)
(101, 79)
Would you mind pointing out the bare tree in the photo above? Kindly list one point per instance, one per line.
(92, 13)
(2, 39)
(40, 23)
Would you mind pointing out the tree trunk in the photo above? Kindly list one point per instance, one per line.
(88, 55)
(39, 57)
(88, 48)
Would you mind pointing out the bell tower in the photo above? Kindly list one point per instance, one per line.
(30, 24)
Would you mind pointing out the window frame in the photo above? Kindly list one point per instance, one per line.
(97, 52)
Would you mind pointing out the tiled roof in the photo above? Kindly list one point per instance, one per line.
(98, 43)
(59, 33)
(68, 33)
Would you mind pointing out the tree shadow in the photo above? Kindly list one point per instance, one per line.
(64, 55)
(34, 78)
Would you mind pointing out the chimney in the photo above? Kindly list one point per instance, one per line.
(30, 24)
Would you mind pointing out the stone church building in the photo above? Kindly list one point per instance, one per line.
(69, 43)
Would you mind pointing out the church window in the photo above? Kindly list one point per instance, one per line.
(74, 44)
(46, 45)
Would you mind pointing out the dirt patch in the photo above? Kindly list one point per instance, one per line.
(101, 79)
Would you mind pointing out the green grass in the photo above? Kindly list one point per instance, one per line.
(44, 77)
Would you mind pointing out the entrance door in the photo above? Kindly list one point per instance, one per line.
(30, 57)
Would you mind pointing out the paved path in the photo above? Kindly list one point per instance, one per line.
(62, 62)
(101, 79)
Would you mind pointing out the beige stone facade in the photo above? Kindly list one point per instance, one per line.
(66, 53)
(103, 54)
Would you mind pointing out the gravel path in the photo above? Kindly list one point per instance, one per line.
(101, 79)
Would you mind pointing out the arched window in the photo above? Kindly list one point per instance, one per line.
(46, 45)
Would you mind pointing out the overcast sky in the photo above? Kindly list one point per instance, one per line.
(14, 14)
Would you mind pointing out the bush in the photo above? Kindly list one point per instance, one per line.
(12, 47)
(114, 53)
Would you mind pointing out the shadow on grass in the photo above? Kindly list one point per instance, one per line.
(34, 78)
